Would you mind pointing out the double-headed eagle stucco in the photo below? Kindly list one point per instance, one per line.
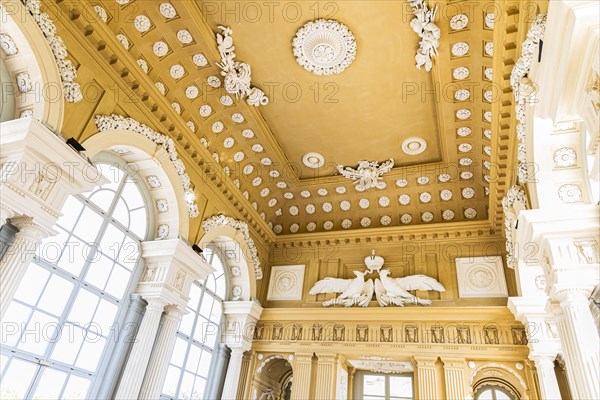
(389, 291)
(367, 174)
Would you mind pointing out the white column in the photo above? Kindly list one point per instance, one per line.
(131, 380)
(544, 365)
(241, 318)
(161, 354)
(17, 258)
(580, 342)
(234, 370)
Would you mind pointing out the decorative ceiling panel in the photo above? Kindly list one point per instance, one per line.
(435, 125)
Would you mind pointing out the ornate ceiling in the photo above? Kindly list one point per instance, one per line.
(435, 125)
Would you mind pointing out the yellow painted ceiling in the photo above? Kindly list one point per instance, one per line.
(363, 113)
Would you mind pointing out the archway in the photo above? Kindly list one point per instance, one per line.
(273, 379)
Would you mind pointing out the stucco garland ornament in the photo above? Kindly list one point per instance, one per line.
(524, 88)
(113, 121)
(368, 173)
(220, 220)
(513, 202)
(423, 24)
(71, 89)
(324, 47)
(237, 75)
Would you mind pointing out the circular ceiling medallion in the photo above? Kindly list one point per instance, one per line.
(313, 160)
(414, 145)
(324, 47)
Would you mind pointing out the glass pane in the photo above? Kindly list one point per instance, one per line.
(74, 255)
(52, 247)
(32, 284)
(501, 396)
(485, 395)
(92, 349)
(221, 287)
(121, 213)
(139, 222)
(131, 194)
(212, 334)
(50, 384)
(204, 364)
(39, 332)
(130, 253)
(401, 386)
(179, 352)
(103, 198)
(206, 306)
(99, 272)
(172, 380)
(16, 316)
(193, 359)
(83, 308)
(195, 293)
(200, 330)
(89, 225)
(217, 265)
(187, 322)
(77, 388)
(211, 284)
(199, 386)
(217, 311)
(70, 213)
(105, 317)
(56, 295)
(68, 345)
(187, 386)
(111, 241)
(3, 361)
(118, 282)
(17, 379)
(374, 385)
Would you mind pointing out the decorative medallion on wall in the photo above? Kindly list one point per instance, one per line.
(237, 75)
(286, 282)
(565, 157)
(324, 47)
(368, 174)
(481, 277)
(424, 26)
(219, 220)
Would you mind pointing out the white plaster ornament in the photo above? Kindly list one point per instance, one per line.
(423, 24)
(389, 291)
(237, 75)
(368, 174)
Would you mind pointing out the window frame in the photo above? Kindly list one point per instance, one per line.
(106, 219)
(359, 389)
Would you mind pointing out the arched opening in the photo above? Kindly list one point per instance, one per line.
(493, 393)
(73, 297)
(273, 379)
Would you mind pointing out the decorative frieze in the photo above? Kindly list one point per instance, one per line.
(113, 121)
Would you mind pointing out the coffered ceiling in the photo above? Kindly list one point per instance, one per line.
(365, 112)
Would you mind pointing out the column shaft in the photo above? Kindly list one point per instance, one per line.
(544, 364)
(302, 376)
(18, 256)
(131, 380)
(579, 339)
(116, 365)
(232, 379)
(426, 378)
(161, 355)
(326, 377)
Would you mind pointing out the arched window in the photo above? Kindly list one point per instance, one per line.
(493, 393)
(198, 335)
(60, 326)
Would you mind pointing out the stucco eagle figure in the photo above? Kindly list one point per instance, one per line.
(353, 291)
(389, 291)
